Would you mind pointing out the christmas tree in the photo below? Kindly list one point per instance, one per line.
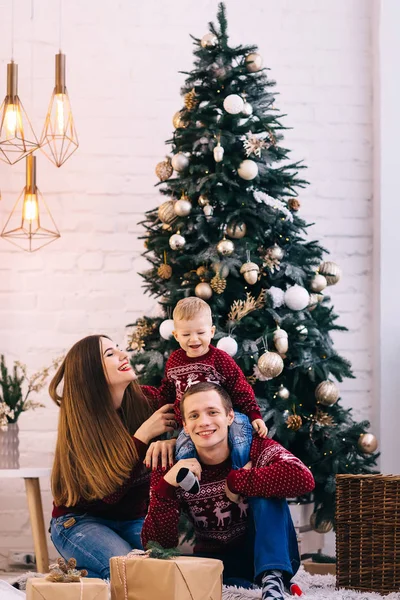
(230, 233)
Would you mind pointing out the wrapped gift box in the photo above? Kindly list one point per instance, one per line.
(183, 577)
(90, 589)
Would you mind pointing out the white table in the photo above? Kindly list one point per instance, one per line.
(35, 507)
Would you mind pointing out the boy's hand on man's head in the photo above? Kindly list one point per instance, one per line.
(260, 427)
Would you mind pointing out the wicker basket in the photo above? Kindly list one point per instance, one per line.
(368, 532)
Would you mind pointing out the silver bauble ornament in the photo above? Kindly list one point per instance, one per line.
(270, 364)
(166, 329)
(331, 272)
(302, 331)
(367, 443)
(233, 104)
(221, 269)
(208, 210)
(218, 153)
(209, 40)
(178, 121)
(247, 109)
(323, 527)
(203, 200)
(248, 169)
(180, 162)
(254, 62)
(250, 272)
(225, 247)
(318, 283)
(236, 230)
(276, 252)
(296, 297)
(177, 241)
(182, 207)
(203, 290)
(281, 340)
(283, 392)
(228, 344)
(327, 393)
(166, 212)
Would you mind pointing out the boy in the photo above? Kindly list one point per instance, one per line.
(257, 543)
(197, 360)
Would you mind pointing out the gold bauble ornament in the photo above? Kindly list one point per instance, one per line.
(331, 271)
(164, 271)
(178, 121)
(318, 283)
(323, 527)
(254, 62)
(315, 299)
(327, 393)
(281, 340)
(236, 230)
(203, 290)
(225, 247)
(367, 443)
(250, 272)
(164, 170)
(209, 40)
(283, 392)
(201, 271)
(190, 100)
(218, 284)
(270, 364)
(294, 422)
(221, 269)
(203, 200)
(166, 212)
(294, 204)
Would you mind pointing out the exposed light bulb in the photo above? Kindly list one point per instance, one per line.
(30, 210)
(60, 114)
(12, 120)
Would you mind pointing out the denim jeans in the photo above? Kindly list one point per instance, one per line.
(271, 543)
(92, 541)
(240, 436)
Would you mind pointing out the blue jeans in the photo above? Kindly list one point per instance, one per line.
(271, 543)
(240, 436)
(92, 541)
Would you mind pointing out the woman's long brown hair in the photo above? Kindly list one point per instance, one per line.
(95, 452)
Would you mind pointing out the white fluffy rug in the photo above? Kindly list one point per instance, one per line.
(315, 587)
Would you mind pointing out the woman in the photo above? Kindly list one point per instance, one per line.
(99, 482)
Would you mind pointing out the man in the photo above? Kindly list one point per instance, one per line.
(259, 547)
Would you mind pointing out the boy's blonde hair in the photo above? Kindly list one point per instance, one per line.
(189, 308)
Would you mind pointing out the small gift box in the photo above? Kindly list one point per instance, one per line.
(139, 577)
(85, 589)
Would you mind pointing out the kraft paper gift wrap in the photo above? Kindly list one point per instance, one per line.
(89, 589)
(179, 578)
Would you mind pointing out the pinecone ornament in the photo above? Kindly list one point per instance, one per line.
(190, 100)
(164, 271)
(294, 422)
(218, 284)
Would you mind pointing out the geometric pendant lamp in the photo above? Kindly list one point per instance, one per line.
(17, 138)
(59, 138)
(30, 225)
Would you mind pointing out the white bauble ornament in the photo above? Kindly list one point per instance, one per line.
(276, 252)
(277, 296)
(228, 345)
(209, 40)
(182, 207)
(318, 283)
(225, 247)
(233, 104)
(302, 331)
(297, 297)
(166, 329)
(248, 169)
(247, 110)
(208, 210)
(166, 212)
(367, 443)
(203, 290)
(283, 392)
(327, 393)
(331, 272)
(281, 340)
(180, 162)
(218, 153)
(177, 241)
(254, 62)
(236, 230)
(250, 272)
(270, 364)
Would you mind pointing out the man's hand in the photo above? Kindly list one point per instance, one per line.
(189, 463)
(163, 450)
(231, 496)
(260, 427)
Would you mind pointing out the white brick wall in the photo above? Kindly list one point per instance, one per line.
(123, 60)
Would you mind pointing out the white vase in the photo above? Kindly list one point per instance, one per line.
(9, 447)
